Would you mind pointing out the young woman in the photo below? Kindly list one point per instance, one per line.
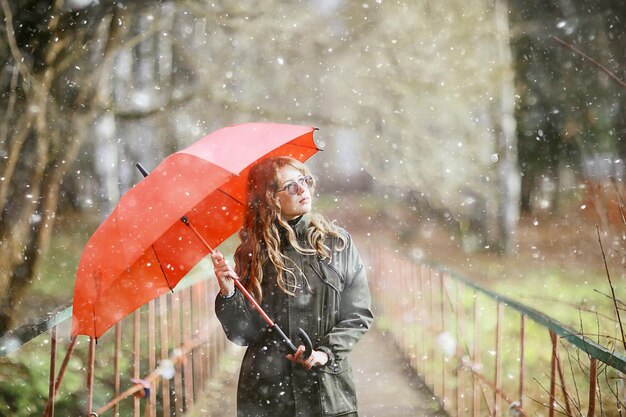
(305, 273)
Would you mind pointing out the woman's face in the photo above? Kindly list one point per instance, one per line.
(292, 206)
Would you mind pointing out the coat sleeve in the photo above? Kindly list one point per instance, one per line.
(355, 315)
(236, 319)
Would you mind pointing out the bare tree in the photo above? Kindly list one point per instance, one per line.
(133, 81)
(129, 82)
(54, 62)
(435, 89)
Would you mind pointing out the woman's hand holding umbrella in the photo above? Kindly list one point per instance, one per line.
(224, 274)
(316, 358)
(227, 279)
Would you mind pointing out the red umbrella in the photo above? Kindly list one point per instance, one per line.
(142, 249)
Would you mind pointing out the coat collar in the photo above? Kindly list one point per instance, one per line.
(300, 226)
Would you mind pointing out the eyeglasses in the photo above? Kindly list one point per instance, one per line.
(294, 186)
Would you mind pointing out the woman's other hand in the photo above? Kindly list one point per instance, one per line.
(224, 274)
(317, 358)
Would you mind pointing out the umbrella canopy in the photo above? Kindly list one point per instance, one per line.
(142, 249)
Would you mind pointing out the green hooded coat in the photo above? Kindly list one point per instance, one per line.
(335, 311)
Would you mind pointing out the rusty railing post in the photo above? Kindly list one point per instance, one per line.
(593, 380)
(70, 349)
(136, 358)
(151, 405)
(460, 318)
(566, 396)
(90, 374)
(53, 365)
(176, 342)
(116, 366)
(164, 354)
(433, 329)
(188, 363)
(498, 371)
(551, 407)
(476, 359)
(420, 348)
(522, 364)
(444, 379)
(203, 328)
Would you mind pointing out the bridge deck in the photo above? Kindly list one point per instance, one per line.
(386, 386)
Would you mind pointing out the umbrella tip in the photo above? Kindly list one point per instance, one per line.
(141, 169)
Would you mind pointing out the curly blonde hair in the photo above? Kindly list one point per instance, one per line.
(261, 235)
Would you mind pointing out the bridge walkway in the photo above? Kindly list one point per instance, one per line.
(386, 385)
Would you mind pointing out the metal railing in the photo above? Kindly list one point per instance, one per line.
(155, 362)
(484, 354)
(479, 352)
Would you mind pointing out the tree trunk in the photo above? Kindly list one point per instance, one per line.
(50, 124)
(508, 173)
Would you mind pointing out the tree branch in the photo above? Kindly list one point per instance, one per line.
(593, 61)
(608, 276)
(22, 128)
(15, 50)
(8, 114)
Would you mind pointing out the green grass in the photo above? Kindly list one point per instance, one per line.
(577, 303)
(53, 284)
(419, 331)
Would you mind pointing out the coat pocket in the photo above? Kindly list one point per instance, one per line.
(264, 360)
(328, 274)
(337, 390)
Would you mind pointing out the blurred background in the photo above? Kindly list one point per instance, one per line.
(486, 135)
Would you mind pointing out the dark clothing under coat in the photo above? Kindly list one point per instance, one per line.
(335, 312)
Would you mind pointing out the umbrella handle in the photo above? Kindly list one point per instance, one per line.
(307, 343)
(306, 340)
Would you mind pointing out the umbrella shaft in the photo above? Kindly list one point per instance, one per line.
(256, 305)
(187, 223)
(241, 288)
(284, 339)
